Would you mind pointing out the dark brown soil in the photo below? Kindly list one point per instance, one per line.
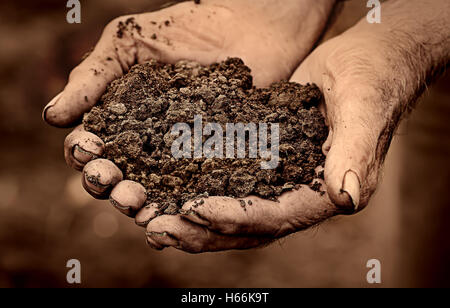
(136, 114)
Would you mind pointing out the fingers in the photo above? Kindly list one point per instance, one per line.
(102, 179)
(80, 147)
(128, 197)
(231, 216)
(99, 178)
(294, 211)
(174, 231)
(146, 214)
(88, 81)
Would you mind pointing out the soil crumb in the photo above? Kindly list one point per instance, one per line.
(136, 115)
(129, 25)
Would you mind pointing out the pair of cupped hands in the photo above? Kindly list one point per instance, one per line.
(274, 38)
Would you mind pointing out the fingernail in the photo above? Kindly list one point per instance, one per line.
(164, 239)
(82, 155)
(142, 223)
(351, 185)
(169, 240)
(49, 105)
(94, 187)
(95, 182)
(152, 244)
(100, 176)
(123, 209)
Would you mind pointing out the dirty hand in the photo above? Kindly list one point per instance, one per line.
(371, 76)
(272, 37)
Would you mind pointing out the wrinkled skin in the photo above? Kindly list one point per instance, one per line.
(364, 101)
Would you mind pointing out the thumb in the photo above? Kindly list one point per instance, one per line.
(89, 80)
(359, 131)
(351, 166)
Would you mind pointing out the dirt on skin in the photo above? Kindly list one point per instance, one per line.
(136, 114)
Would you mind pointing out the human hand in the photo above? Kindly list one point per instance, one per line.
(272, 39)
(370, 76)
(223, 223)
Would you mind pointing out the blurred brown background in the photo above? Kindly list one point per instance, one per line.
(46, 218)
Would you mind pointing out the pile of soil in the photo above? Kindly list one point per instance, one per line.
(136, 114)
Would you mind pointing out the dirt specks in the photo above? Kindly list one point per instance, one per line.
(129, 25)
(96, 73)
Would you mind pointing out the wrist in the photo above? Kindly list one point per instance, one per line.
(418, 30)
(412, 44)
(288, 15)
